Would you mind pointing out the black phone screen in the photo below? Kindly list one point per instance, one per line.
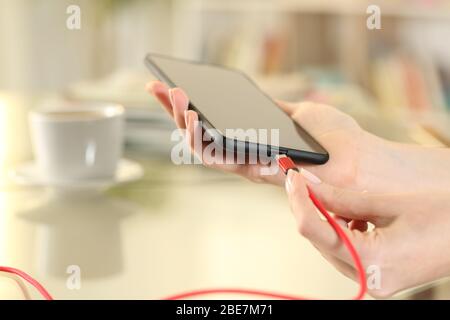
(232, 103)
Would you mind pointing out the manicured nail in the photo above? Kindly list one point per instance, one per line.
(178, 98)
(149, 87)
(171, 97)
(156, 87)
(342, 222)
(289, 180)
(309, 176)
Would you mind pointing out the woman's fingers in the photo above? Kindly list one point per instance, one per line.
(319, 120)
(343, 222)
(360, 225)
(343, 267)
(161, 92)
(288, 107)
(309, 223)
(174, 100)
(321, 233)
(350, 204)
(179, 102)
(192, 130)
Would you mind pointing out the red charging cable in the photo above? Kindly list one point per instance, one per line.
(29, 279)
(285, 164)
(271, 295)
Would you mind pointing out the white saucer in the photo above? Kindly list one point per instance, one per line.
(28, 174)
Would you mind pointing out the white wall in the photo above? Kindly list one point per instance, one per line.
(38, 52)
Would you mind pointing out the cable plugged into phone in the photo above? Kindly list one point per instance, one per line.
(285, 164)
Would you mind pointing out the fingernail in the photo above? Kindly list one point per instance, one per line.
(341, 222)
(186, 117)
(156, 87)
(171, 97)
(309, 176)
(289, 180)
(149, 87)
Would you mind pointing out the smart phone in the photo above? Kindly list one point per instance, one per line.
(231, 104)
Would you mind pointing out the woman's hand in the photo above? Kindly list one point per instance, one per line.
(358, 159)
(408, 246)
(403, 190)
(339, 134)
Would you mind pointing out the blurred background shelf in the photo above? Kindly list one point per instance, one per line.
(398, 76)
(397, 8)
(395, 81)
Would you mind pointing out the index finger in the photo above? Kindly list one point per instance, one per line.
(161, 92)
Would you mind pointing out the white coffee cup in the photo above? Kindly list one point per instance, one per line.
(77, 142)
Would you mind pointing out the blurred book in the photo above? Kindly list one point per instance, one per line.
(250, 48)
(401, 81)
(444, 78)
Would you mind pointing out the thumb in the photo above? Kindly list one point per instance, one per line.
(309, 223)
(319, 120)
(347, 203)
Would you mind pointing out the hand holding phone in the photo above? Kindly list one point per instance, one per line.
(334, 130)
(242, 117)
